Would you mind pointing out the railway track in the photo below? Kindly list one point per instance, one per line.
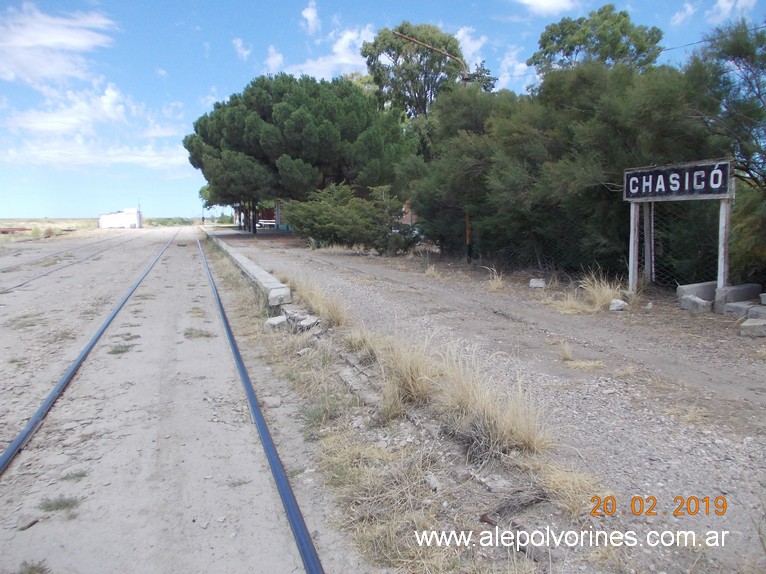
(33, 256)
(52, 263)
(170, 352)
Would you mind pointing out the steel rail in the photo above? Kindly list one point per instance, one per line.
(37, 419)
(301, 534)
(92, 255)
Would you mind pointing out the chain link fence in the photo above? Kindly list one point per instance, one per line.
(685, 246)
(685, 242)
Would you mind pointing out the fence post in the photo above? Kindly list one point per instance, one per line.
(633, 248)
(724, 215)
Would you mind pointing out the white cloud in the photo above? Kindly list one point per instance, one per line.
(239, 48)
(274, 61)
(683, 15)
(81, 152)
(344, 59)
(173, 110)
(161, 72)
(77, 113)
(548, 7)
(726, 9)
(155, 130)
(470, 46)
(514, 73)
(310, 14)
(208, 100)
(36, 48)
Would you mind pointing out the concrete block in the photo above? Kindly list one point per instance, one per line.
(738, 309)
(757, 312)
(763, 298)
(537, 283)
(734, 293)
(308, 323)
(276, 322)
(275, 291)
(694, 303)
(753, 328)
(705, 291)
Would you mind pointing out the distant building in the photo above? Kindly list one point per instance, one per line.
(126, 219)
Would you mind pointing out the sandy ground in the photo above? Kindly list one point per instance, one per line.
(152, 440)
(156, 446)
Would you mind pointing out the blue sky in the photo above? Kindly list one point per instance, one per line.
(96, 95)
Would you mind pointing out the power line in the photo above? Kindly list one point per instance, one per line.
(713, 39)
(706, 40)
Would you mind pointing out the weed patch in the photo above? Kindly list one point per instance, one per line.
(34, 568)
(59, 503)
(76, 476)
(120, 349)
(192, 333)
(23, 322)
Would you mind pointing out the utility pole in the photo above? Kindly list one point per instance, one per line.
(468, 233)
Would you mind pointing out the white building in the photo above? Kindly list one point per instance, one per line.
(126, 219)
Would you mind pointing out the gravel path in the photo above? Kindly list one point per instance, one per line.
(676, 410)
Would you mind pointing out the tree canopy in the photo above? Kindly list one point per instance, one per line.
(284, 137)
(605, 36)
(408, 74)
(538, 175)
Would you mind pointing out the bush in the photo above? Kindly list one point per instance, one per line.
(336, 215)
(747, 244)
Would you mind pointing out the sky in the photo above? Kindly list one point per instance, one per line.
(97, 95)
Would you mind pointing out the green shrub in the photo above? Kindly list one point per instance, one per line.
(338, 216)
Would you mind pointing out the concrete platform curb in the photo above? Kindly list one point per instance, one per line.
(276, 292)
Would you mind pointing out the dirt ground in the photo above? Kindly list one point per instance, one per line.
(153, 447)
(674, 408)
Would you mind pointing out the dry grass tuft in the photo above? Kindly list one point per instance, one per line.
(346, 460)
(432, 272)
(594, 293)
(487, 422)
(326, 306)
(567, 355)
(761, 353)
(386, 499)
(599, 290)
(496, 281)
(409, 373)
(570, 489)
(364, 343)
(585, 365)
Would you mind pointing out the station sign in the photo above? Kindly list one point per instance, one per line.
(684, 181)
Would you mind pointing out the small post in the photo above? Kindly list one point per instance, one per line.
(468, 238)
(649, 242)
